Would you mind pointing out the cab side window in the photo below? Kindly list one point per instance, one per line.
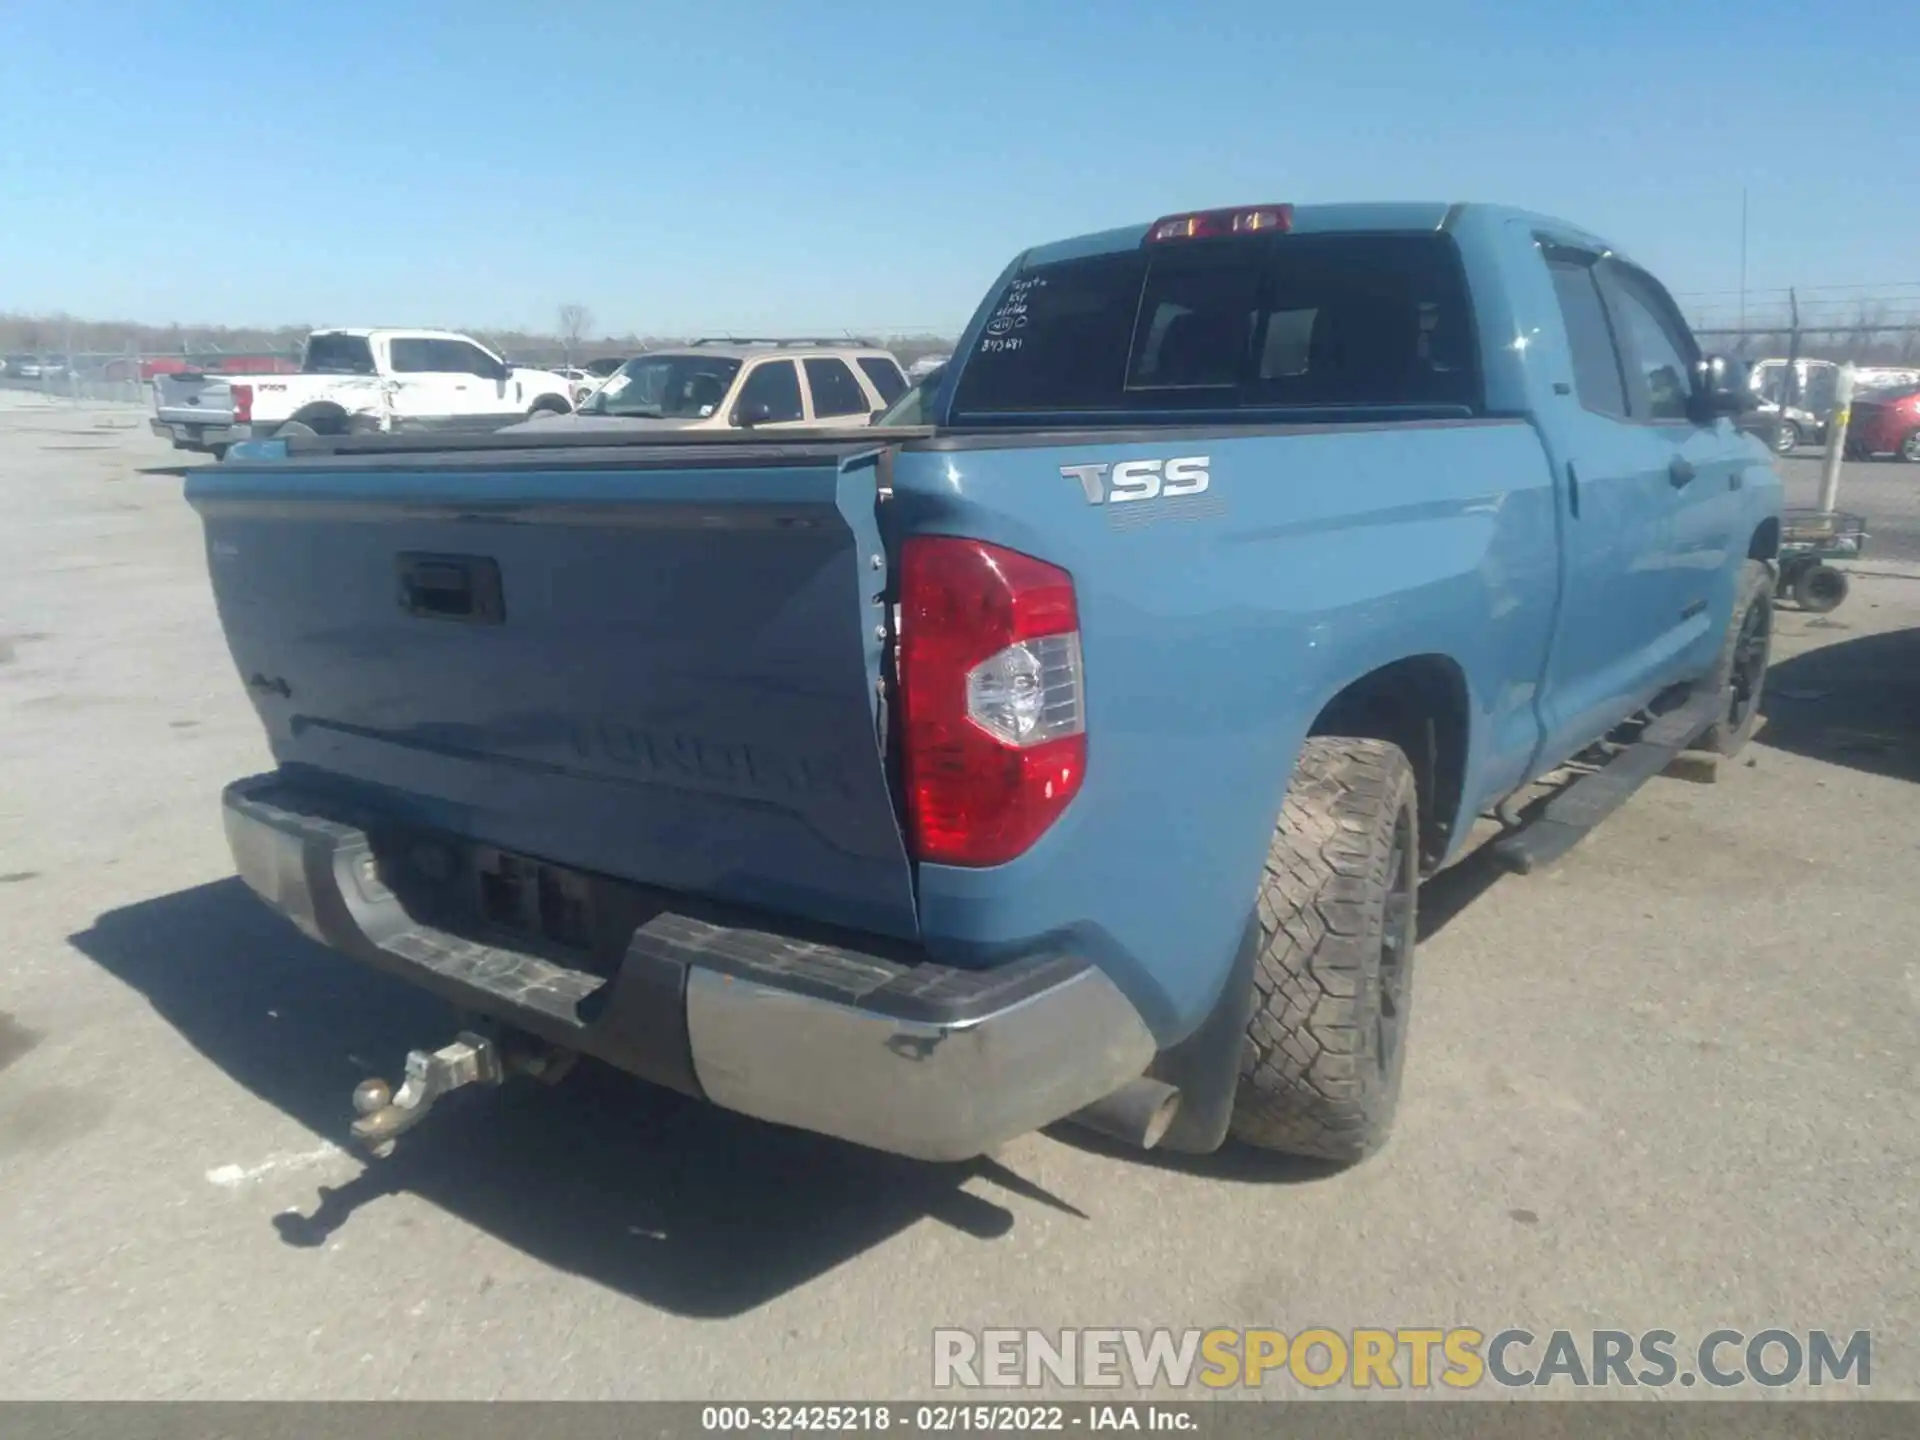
(457, 357)
(1660, 352)
(410, 357)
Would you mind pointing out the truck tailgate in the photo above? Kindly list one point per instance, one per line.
(657, 663)
(191, 397)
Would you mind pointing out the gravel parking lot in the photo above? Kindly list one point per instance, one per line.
(1671, 1083)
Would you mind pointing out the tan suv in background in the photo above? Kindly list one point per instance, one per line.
(742, 385)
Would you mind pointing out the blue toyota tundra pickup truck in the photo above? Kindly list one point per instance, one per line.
(1075, 753)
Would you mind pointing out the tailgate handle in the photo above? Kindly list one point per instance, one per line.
(451, 587)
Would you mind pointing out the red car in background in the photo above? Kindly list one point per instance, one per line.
(1886, 422)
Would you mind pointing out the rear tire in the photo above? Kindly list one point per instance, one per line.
(1787, 438)
(547, 407)
(1910, 448)
(1320, 1068)
(1820, 588)
(1739, 675)
(320, 419)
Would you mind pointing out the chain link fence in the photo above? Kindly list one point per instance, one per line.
(1877, 326)
(115, 378)
(120, 377)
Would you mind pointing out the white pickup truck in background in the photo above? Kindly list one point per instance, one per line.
(355, 382)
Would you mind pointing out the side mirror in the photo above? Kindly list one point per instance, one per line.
(750, 413)
(1720, 388)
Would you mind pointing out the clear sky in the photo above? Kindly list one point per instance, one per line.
(785, 166)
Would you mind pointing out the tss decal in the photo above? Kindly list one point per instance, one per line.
(1140, 479)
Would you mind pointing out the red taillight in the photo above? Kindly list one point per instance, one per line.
(995, 721)
(1211, 224)
(242, 403)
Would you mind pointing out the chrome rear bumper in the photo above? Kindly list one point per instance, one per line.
(200, 434)
(899, 1054)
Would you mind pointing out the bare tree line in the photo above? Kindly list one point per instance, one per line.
(1863, 336)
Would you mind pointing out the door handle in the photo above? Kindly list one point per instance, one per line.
(1681, 472)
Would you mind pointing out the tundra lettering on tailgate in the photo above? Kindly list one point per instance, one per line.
(1140, 479)
(708, 766)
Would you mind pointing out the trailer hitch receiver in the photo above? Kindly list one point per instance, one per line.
(385, 1115)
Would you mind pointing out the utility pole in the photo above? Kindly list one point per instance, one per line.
(1743, 257)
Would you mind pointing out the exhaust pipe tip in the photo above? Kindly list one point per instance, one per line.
(1139, 1113)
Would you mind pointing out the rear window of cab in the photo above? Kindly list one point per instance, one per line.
(1309, 321)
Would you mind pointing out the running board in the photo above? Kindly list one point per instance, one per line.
(1568, 816)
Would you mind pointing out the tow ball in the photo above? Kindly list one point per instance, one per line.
(471, 1059)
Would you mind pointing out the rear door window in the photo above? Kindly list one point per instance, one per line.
(1597, 376)
(888, 381)
(1289, 321)
(338, 355)
(835, 391)
(775, 384)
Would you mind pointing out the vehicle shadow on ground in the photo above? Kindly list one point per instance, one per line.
(674, 1202)
(1444, 896)
(1855, 703)
(1232, 1162)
